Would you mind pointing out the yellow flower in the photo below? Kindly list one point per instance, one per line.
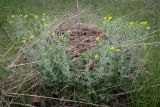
(25, 16)
(110, 18)
(69, 31)
(31, 37)
(148, 28)
(96, 56)
(45, 25)
(144, 23)
(98, 38)
(105, 18)
(131, 23)
(53, 34)
(112, 48)
(118, 50)
(13, 16)
(24, 41)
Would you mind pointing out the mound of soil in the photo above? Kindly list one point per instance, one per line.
(82, 38)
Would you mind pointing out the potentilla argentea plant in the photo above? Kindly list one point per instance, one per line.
(109, 63)
(54, 60)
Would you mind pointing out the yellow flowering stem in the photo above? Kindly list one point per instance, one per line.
(31, 37)
(45, 25)
(148, 27)
(53, 34)
(144, 23)
(131, 23)
(112, 48)
(105, 18)
(110, 18)
(96, 56)
(118, 50)
(98, 38)
(24, 41)
(68, 31)
(13, 16)
(25, 16)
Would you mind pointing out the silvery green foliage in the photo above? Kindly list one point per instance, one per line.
(56, 67)
(117, 63)
(54, 60)
(112, 67)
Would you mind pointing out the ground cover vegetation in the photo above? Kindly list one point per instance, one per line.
(80, 59)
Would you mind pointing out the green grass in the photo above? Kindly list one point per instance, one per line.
(2, 71)
(148, 96)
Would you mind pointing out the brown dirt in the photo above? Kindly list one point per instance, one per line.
(82, 38)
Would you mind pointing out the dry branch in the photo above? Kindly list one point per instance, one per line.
(51, 98)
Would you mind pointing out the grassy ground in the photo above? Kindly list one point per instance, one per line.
(136, 10)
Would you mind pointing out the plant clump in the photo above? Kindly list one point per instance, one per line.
(86, 62)
(83, 63)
